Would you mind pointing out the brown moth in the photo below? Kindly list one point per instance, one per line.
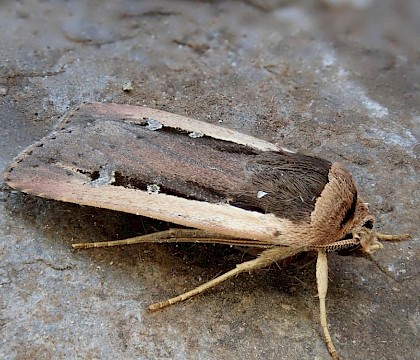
(227, 187)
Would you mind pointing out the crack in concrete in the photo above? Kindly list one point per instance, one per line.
(151, 13)
(4, 276)
(49, 264)
(90, 42)
(33, 74)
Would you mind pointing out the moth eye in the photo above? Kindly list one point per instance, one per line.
(368, 224)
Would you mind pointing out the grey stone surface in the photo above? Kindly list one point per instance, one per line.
(338, 79)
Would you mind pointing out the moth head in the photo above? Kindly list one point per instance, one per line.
(362, 233)
(341, 220)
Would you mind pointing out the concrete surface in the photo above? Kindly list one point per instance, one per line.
(338, 79)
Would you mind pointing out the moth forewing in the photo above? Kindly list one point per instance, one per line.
(139, 114)
(221, 218)
(234, 188)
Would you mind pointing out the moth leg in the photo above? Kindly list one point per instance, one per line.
(387, 237)
(198, 289)
(266, 258)
(322, 282)
(170, 235)
(177, 235)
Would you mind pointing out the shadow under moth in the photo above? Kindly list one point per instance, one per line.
(222, 186)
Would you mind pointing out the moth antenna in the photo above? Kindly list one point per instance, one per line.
(382, 269)
(322, 282)
(376, 244)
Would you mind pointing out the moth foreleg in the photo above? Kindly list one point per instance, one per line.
(388, 237)
(322, 282)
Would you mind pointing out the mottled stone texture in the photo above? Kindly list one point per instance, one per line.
(339, 79)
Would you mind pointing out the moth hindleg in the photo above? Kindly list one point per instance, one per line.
(267, 257)
(171, 235)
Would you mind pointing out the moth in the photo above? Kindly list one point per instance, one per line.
(222, 186)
